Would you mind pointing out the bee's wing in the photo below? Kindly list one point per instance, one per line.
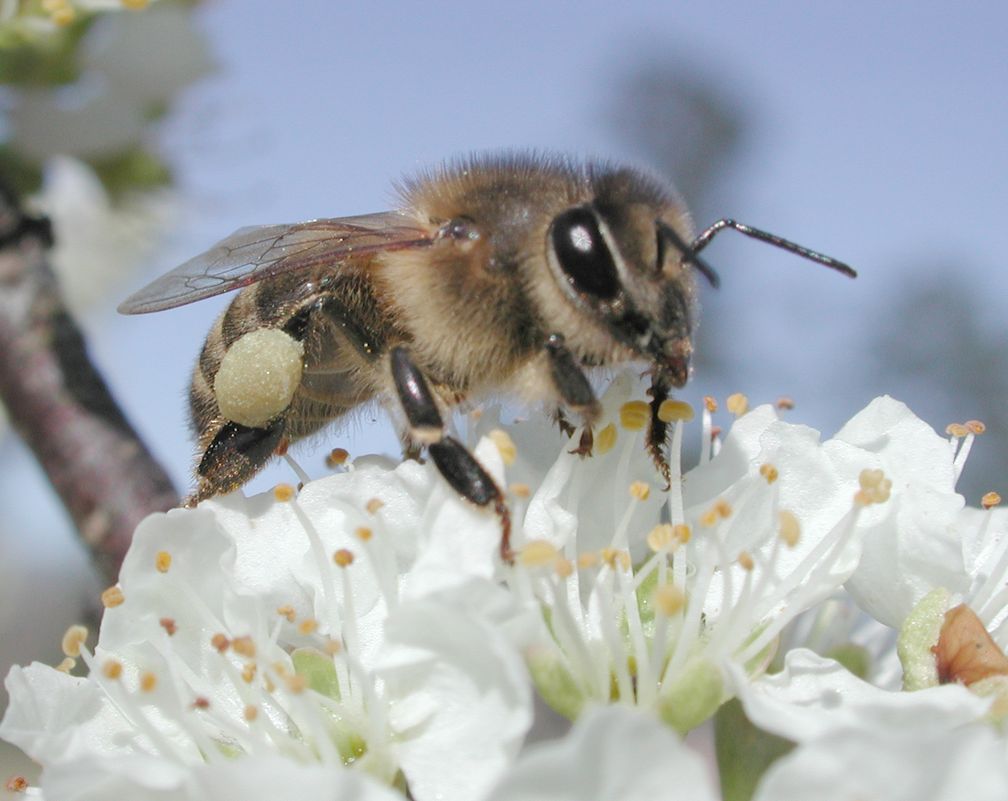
(254, 253)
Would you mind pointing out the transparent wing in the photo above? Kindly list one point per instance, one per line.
(252, 254)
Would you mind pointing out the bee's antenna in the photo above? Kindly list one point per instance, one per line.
(689, 253)
(704, 238)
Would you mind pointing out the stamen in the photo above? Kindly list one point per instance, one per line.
(66, 665)
(505, 445)
(975, 426)
(675, 410)
(634, 415)
(374, 505)
(538, 553)
(162, 561)
(769, 472)
(308, 626)
(790, 528)
(112, 597)
(669, 600)
(112, 669)
(605, 440)
(287, 611)
(662, 539)
(640, 490)
(363, 533)
(710, 403)
(745, 561)
(284, 492)
(148, 681)
(220, 642)
(337, 457)
(73, 639)
(244, 646)
(343, 557)
(168, 624)
(990, 500)
(956, 430)
(737, 404)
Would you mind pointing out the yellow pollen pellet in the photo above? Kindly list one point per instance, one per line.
(220, 642)
(73, 639)
(975, 426)
(990, 500)
(250, 713)
(244, 646)
(17, 784)
(168, 624)
(723, 508)
(640, 490)
(148, 681)
(112, 670)
(520, 490)
(587, 559)
(308, 626)
(374, 505)
(957, 430)
(784, 403)
(287, 611)
(605, 440)
(790, 528)
(710, 403)
(673, 411)
(669, 599)
(769, 472)
(201, 702)
(162, 561)
(662, 538)
(537, 553)
(709, 518)
(248, 672)
(296, 683)
(112, 597)
(363, 533)
(745, 561)
(563, 567)
(283, 492)
(337, 457)
(737, 404)
(634, 415)
(505, 445)
(66, 665)
(343, 557)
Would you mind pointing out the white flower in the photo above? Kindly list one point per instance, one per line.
(325, 630)
(761, 530)
(612, 753)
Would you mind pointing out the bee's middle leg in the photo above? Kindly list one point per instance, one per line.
(459, 467)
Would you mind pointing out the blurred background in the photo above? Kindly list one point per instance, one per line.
(872, 132)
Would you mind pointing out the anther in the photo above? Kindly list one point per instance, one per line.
(669, 599)
(723, 508)
(505, 445)
(563, 567)
(671, 411)
(168, 624)
(148, 681)
(616, 557)
(737, 404)
(587, 560)
(296, 683)
(250, 713)
(200, 702)
(248, 672)
(363, 533)
(284, 492)
(990, 500)
(337, 457)
(710, 403)
(343, 557)
(17, 784)
(957, 430)
(308, 626)
(520, 490)
(605, 440)
(112, 597)
(220, 642)
(784, 403)
(769, 472)
(975, 426)
(162, 561)
(662, 538)
(640, 490)
(66, 665)
(634, 415)
(790, 528)
(709, 518)
(287, 611)
(244, 646)
(73, 638)
(112, 669)
(745, 561)
(373, 505)
(538, 553)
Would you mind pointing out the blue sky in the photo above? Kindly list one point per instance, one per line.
(875, 132)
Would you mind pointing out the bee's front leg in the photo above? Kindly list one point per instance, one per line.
(574, 389)
(459, 467)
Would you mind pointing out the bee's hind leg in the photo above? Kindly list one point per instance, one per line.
(234, 455)
(459, 467)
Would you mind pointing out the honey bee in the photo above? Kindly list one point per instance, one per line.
(497, 273)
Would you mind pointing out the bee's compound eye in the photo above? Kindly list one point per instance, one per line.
(583, 253)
